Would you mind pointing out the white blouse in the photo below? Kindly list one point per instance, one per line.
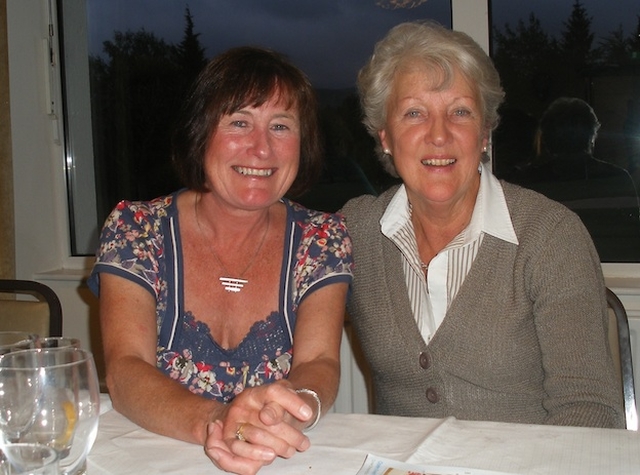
(430, 298)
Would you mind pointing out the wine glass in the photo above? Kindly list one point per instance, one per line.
(57, 342)
(15, 340)
(29, 459)
(68, 407)
(19, 397)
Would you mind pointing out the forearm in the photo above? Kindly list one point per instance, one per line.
(155, 402)
(322, 376)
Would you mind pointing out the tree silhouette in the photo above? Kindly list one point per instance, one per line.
(577, 52)
(137, 85)
(535, 68)
(190, 54)
(577, 39)
(616, 49)
(527, 59)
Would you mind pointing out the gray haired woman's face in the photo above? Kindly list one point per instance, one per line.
(436, 137)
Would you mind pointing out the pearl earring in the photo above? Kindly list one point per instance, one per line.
(387, 151)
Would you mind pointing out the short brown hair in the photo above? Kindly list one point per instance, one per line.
(235, 79)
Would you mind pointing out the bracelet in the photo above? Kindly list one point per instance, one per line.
(315, 396)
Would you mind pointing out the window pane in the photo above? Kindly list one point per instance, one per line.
(584, 152)
(142, 54)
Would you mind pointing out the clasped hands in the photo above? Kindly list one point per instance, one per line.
(261, 423)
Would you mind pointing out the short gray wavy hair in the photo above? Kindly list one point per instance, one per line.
(440, 49)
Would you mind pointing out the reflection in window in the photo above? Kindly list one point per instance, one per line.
(545, 51)
(142, 55)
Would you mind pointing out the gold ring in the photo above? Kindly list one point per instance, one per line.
(239, 434)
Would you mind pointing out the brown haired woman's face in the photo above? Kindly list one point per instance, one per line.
(253, 156)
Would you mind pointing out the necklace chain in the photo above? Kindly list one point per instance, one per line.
(233, 284)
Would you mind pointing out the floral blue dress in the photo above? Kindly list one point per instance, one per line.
(140, 241)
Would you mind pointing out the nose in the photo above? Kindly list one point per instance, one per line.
(260, 146)
(438, 131)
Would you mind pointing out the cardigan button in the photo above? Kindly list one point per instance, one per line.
(432, 395)
(425, 361)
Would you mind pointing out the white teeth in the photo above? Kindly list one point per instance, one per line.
(254, 171)
(439, 162)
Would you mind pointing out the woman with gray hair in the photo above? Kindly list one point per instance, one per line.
(472, 297)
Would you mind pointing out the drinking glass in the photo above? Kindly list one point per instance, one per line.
(57, 342)
(68, 403)
(29, 459)
(11, 341)
(19, 397)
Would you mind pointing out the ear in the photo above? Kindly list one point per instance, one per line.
(382, 135)
(485, 139)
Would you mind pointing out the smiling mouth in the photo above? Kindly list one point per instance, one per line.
(254, 171)
(439, 162)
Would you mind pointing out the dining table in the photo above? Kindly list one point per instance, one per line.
(341, 443)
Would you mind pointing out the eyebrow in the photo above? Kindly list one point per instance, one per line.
(285, 114)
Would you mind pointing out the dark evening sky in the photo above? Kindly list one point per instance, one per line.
(329, 39)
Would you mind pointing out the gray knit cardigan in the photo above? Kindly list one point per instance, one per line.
(523, 341)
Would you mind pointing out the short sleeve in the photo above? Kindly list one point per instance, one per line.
(324, 255)
(132, 244)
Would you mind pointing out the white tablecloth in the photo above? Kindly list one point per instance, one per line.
(341, 442)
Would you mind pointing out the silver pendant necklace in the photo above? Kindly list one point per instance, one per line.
(233, 284)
